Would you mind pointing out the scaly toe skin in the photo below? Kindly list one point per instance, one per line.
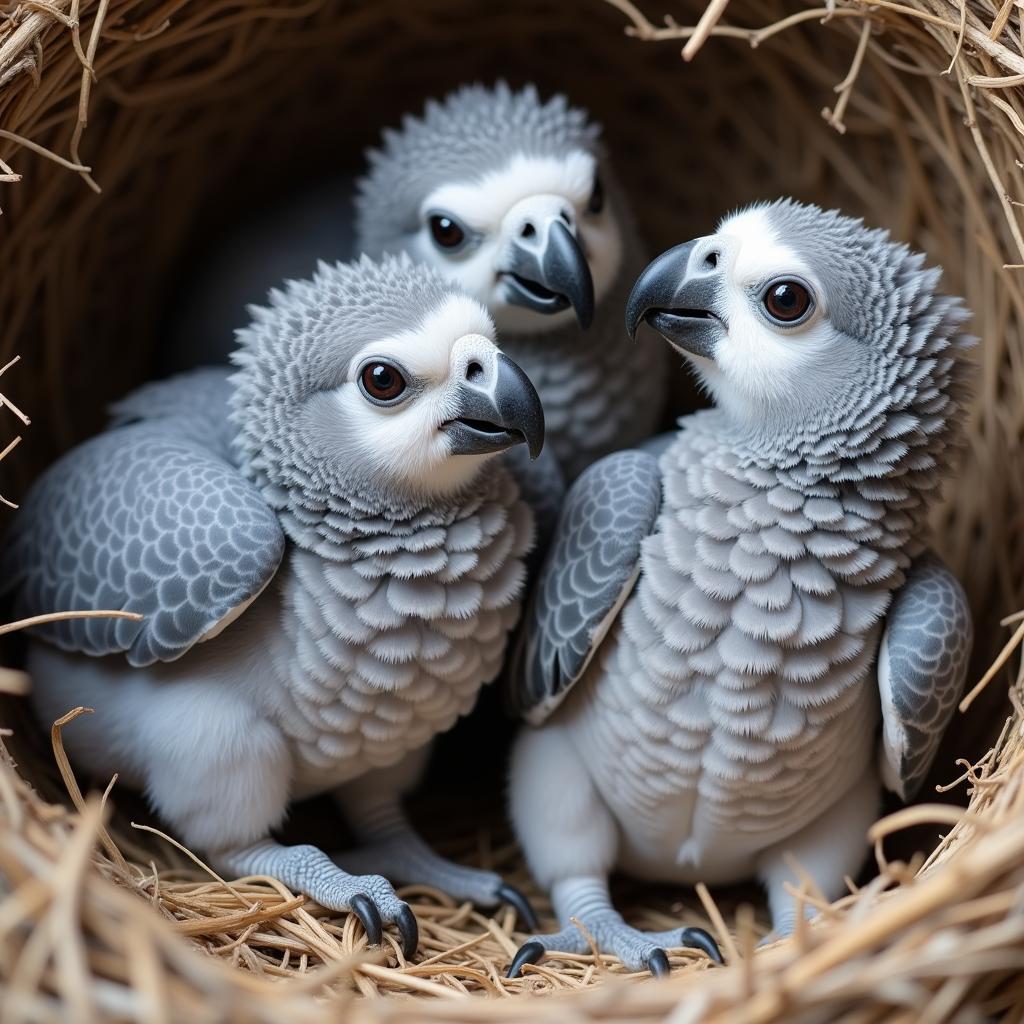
(307, 869)
(638, 951)
(407, 859)
(373, 900)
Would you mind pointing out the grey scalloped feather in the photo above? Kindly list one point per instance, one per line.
(925, 653)
(146, 518)
(590, 570)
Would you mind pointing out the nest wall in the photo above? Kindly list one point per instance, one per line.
(134, 132)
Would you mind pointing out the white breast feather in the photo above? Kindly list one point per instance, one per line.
(736, 674)
(394, 632)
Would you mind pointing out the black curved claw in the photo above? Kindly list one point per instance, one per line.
(697, 938)
(529, 953)
(366, 910)
(657, 963)
(519, 903)
(410, 929)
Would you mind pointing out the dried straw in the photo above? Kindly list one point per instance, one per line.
(186, 112)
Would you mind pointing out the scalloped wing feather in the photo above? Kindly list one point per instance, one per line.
(143, 521)
(921, 672)
(590, 571)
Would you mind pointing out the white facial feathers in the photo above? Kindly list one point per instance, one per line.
(484, 202)
(404, 442)
(757, 364)
(425, 350)
(493, 210)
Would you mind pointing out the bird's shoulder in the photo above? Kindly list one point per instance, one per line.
(152, 518)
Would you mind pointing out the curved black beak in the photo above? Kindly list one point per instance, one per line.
(553, 276)
(497, 413)
(677, 295)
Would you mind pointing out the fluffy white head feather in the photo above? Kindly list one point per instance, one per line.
(499, 210)
(309, 422)
(819, 337)
(498, 166)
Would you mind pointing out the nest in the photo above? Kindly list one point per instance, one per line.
(132, 130)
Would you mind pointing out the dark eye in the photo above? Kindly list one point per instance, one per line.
(787, 301)
(447, 233)
(382, 382)
(595, 204)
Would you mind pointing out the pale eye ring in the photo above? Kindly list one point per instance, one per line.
(787, 301)
(382, 382)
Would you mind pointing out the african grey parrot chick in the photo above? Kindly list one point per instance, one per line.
(717, 632)
(338, 496)
(513, 199)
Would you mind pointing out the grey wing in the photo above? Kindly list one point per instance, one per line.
(921, 670)
(590, 570)
(193, 405)
(140, 520)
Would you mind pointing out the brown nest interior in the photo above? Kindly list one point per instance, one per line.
(203, 115)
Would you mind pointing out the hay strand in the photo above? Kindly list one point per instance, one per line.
(911, 113)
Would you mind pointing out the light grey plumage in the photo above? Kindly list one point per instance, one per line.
(923, 662)
(512, 172)
(607, 514)
(403, 545)
(152, 518)
(496, 160)
(729, 717)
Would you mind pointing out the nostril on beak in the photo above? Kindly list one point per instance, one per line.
(711, 260)
(527, 230)
(474, 371)
(566, 218)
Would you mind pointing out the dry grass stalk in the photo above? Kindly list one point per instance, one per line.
(923, 130)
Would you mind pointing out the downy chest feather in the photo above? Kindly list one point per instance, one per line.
(393, 627)
(743, 653)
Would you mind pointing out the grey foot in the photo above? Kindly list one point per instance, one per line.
(369, 896)
(409, 861)
(636, 949)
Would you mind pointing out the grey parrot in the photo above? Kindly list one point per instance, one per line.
(337, 495)
(512, 198)
(717, 632)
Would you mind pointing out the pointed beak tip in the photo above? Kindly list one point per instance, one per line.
(533, 431)
(569, 272)
(524, 405)
(635, 311)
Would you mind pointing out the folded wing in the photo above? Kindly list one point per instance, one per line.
(921, 670)
(590, 570)
(151, 517)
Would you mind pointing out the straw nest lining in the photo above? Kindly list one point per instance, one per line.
(196, 112)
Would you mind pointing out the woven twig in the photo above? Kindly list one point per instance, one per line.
(167, 105)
